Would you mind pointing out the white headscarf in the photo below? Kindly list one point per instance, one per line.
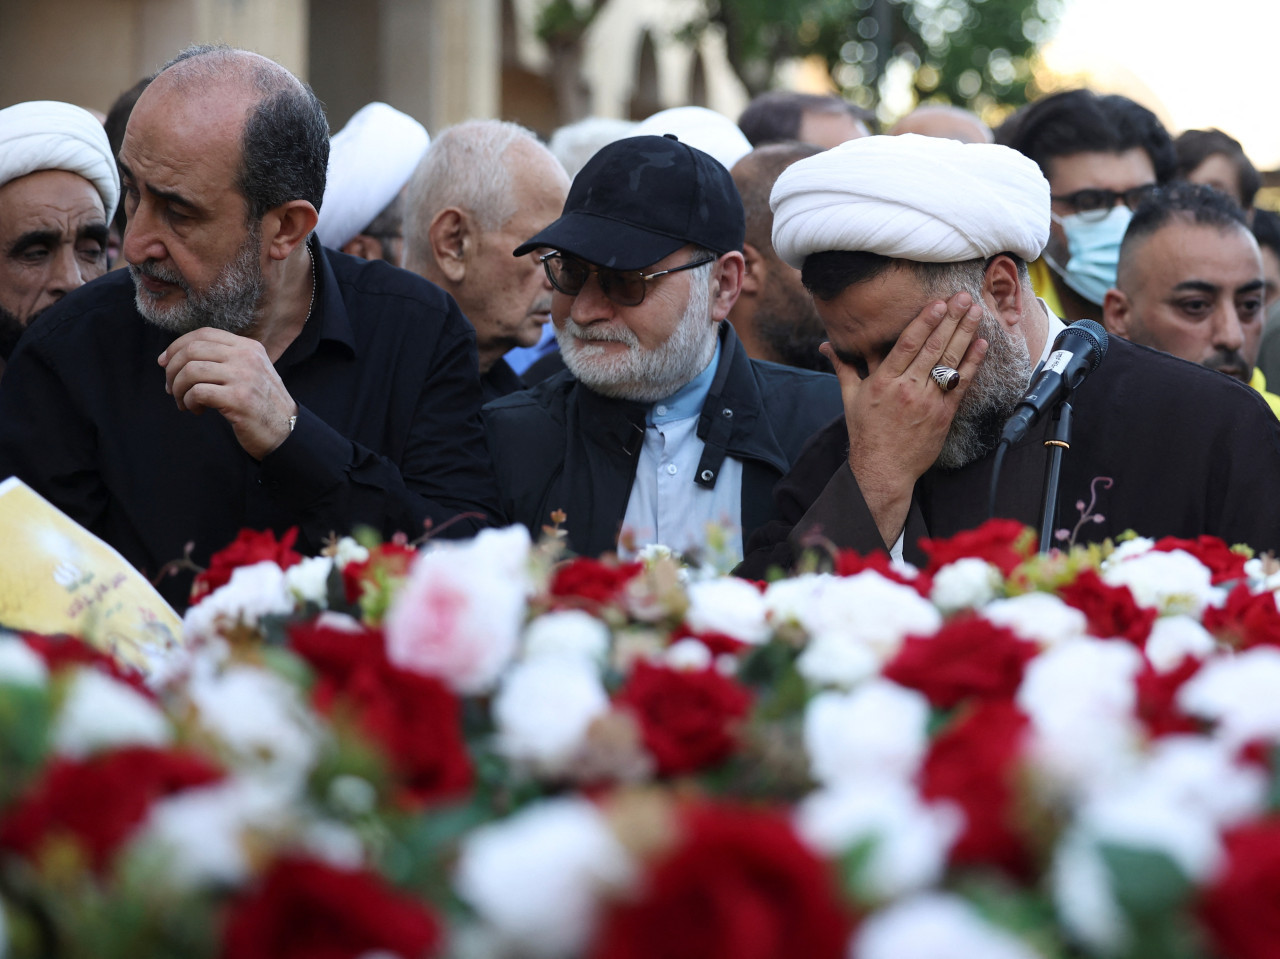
(704, 129)
(50, 135)
(913, 198)
(370, 161)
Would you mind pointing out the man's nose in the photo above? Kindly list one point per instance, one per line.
(64, 272)
(141, 240)
(1228, 333)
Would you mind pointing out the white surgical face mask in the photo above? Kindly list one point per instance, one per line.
(1093, 246)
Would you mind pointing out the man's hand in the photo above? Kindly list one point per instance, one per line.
(897, 417)
(213, 369)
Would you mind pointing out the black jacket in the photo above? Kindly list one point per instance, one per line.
(1159, 446)
(562, 446)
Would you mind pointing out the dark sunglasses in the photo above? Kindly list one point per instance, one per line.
(1095, 204)
(568, 274)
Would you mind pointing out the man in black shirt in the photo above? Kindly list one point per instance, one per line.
(304, 387)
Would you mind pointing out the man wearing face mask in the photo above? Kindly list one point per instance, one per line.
(1102, 155)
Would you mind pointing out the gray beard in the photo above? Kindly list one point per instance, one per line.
(230, 303)
(997, 387)
(639, 374)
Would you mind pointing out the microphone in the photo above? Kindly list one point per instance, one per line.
(1076, 352)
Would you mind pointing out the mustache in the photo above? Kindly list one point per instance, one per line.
(155, 271)
(597, 333)
(1225, 361)
(541, 305)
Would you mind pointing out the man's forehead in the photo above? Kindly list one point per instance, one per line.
(49, 195)
(1180, 250)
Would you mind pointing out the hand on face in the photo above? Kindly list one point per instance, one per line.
(213, 369)
(897, 417)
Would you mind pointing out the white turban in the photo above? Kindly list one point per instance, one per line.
(703, 129)
(370, 161)
(912, 198)
(49, 135)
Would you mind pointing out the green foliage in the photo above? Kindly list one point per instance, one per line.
(561, 21)
(1152, 893)
(973, 53)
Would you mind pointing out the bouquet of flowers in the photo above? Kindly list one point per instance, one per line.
(482, 749)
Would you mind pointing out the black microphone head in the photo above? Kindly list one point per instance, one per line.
(1084, 335)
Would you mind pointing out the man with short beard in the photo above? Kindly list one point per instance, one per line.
(240, 375)
(661, 424)
(915, 250)
(58, 189)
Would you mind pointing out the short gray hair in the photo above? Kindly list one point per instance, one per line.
(464, 167)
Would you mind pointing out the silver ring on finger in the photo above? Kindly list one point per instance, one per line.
(947, 378)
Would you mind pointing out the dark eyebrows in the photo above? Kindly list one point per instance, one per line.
(34, 238)
(167, 195)
(1253, 286)
(95, 231)
(1196, 286)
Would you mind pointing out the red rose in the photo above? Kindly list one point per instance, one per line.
(59, 652)
(389, 561)
(100, 801)
(850, 563)
(250, 547)
(1004, 543)
(687, 717)
(1213, 552)
(1241, 909)
(592, 580)
(974, 763)
(969, 656)
(304, 909)
(1247, 619)
(1157, 702)
(413, 718)
(1110, 610)
(738, 885)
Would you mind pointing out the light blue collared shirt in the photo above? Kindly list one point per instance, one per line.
(666, 505)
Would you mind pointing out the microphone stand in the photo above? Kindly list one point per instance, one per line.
(1059, 441)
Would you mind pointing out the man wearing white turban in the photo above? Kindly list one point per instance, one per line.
(58, 190)
(915, 250)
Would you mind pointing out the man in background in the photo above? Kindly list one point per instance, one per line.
(774, 315)
(1101, 155)
(1190, 283)
(823, 121)
(946, 121)
(482, 188)
(58, 191)
(370, 162)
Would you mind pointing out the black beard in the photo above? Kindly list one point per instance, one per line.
(10, 331)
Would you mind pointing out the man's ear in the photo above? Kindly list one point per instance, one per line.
(1002, 287)
(451, 239)
(726, 283)
(1117, 312)
(287, 226)
(756, 270)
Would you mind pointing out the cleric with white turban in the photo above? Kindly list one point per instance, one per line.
(49, 135)
(914, 198)
(370, 161)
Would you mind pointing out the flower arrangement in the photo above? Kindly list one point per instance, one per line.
(481, 749)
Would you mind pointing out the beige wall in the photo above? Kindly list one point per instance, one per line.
(89, 51)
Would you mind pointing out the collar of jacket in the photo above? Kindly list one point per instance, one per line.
(731, 422)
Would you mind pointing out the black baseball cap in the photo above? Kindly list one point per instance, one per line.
(641, 199)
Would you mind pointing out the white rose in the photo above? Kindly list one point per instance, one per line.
(349, 551)
(879, 729)
(1239, 693)
(20, 665)
(1173, 639)
(1039, 617)
(459, 615)
(543, 709)
(1172, 582)
(265, 727)
(910, 840)
(688, 655)
(965, 584)
(308, 581)
(539, 877)
(1203, 776)
(570, 632)
(100, 712)
(935, 926)
(252, 592)
(203, 834)
(730, 606)
(831, 660)
(1138, 546)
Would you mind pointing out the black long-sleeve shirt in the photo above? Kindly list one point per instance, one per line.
(388, 431)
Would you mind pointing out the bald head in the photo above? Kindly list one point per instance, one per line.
(946, 122)
(754, 175)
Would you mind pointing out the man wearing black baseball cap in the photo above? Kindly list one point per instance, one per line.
(661, 424)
